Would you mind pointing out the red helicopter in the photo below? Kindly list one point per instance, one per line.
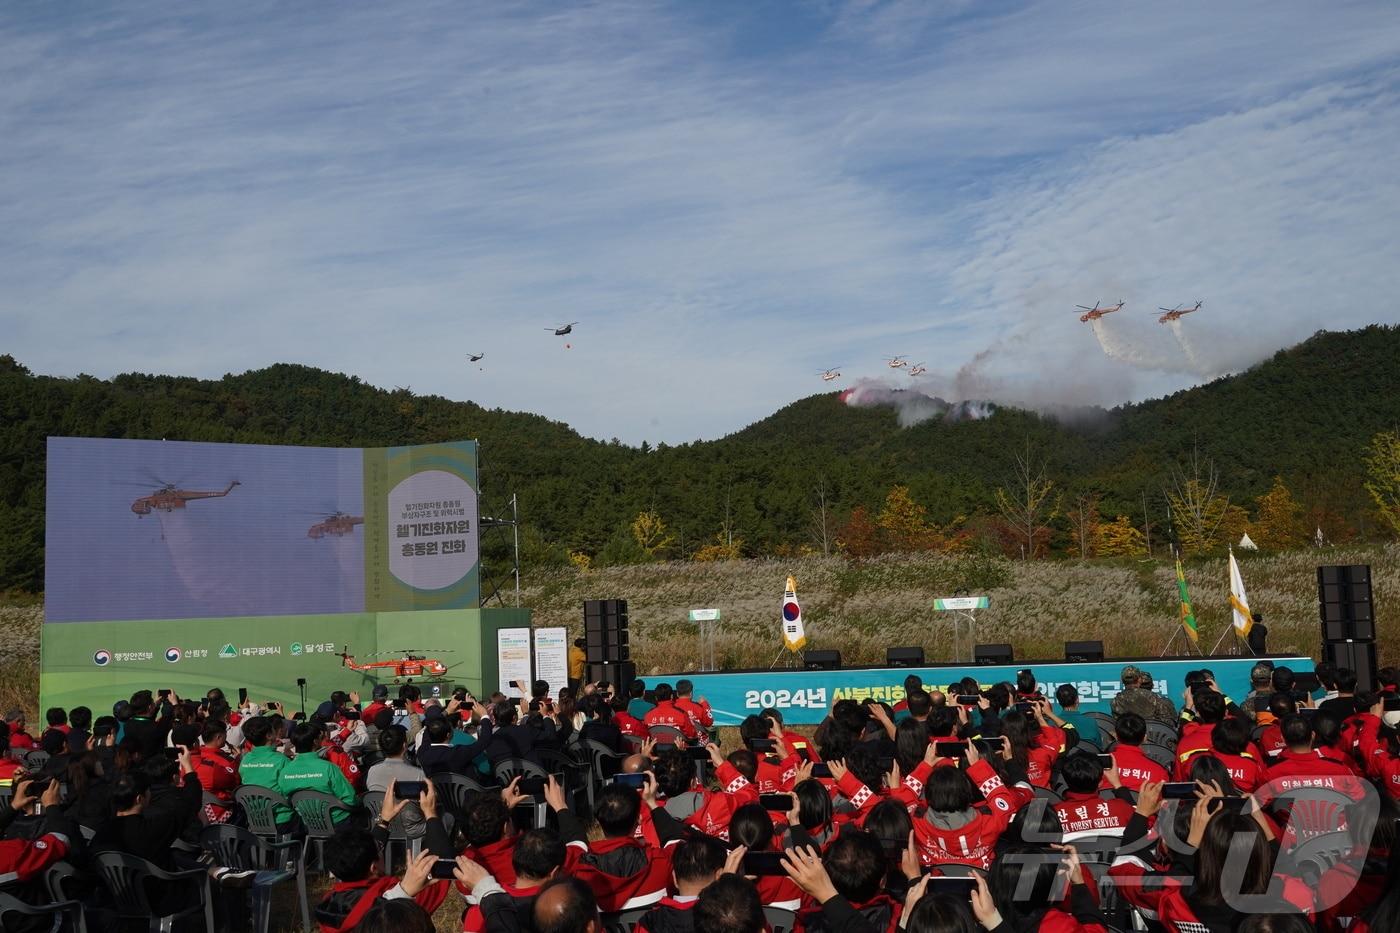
(337, 524)
(405, 665)
(1096, 312)
(168, 498)
(1175, 314)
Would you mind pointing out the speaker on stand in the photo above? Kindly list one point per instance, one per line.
(607, 646)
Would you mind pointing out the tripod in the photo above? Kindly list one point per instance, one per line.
(1180, 632)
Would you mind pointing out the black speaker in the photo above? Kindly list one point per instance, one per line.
(1082, 651)
(1360, 656)
(1344, 595)
(1349, 630)
(821, 660)
(993, 654)
(912, 656)
(619, 675)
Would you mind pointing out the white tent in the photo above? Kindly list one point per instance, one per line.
(1247, 543)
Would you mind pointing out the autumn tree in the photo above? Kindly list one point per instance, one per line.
(724, 547)
(649, 531)
(1119, 538)
(1383, 477)
(904, 522)
(1278, 525)
(1084, 524)
(1024, 502)
(1198, 507)
(860, 536)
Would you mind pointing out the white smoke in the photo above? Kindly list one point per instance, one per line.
(1179, 332)
(1116, 345)
(913, 406)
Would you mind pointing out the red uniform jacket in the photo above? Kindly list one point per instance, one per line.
(495, 857)
(699, 713)
(346, 763)
(1164, 897)
(1271, 741)
(1135, 768)
(1380, 764)
(1245, 770)
(628, 724)
(1084, 815)
(668, 714)
(346, 905)
(218, 774)
(23, 860)
(622, 874)
(777, 777)
(717, 809)
(971, 843)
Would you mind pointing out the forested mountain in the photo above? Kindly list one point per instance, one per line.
(1306, 414)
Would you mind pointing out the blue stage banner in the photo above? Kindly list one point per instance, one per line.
(804, 697)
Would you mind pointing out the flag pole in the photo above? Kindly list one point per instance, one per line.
(1231, 630)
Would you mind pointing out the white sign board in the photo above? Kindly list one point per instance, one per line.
(962, 603)
(552, 658)
(513, 659)
(704, 615)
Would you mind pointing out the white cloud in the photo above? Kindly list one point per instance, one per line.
(379, 190)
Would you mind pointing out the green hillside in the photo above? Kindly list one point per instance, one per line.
(1304, 414)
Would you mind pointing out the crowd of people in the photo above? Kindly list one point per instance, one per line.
(979, 808)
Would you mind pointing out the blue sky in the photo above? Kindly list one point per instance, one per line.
(728, 196)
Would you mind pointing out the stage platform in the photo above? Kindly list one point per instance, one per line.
(804, 697)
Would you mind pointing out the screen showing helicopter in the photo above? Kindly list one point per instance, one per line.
(171, 530)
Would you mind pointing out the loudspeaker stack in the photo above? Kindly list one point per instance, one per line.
(605, 629)
(1348, 620)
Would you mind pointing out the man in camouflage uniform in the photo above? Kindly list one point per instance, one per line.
(1260, 685)
(1138, 697)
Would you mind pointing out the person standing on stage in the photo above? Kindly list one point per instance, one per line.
(578, 664)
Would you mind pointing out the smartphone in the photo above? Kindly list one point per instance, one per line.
(821, 770)
(1179, 790)
(959, 888)
(635, 781)
(1233, 804)
(987, 747)
(780, 803)
(172, 753)
(534, 786)
(967, 699)
(1308, 683)
(761, 745)
(1106, 761)
(1261, 704)
(1390, 702)
(444, 868)
(764, 864)
(949, 749)
(696, 753)
(408, 790)
(1026, 708)
(162, 693)
(242, 696)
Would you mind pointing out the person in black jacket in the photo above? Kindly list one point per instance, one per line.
(513, 740)
(598, 725)
(437, 753)
(150, 722)
(142, 830)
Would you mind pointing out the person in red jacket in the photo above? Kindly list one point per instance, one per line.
(777, 765)
(536, 856)
(20, 740)
(665, 713)
(1133, 767)
(622, 873)
(697, 863)
(626, 723)
(955, 828)
(25, 860)
(689, 801)
(1230, 744)
(1381, 763)
(844, 883)
(217, 770)
(1082, 812)
(1301, 765)
(752, 828)
(796, 742)
(354, 861)
(1204, 903)
(697, 710)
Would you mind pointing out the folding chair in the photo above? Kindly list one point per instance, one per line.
(779, 920)
(261, 806)
(625, 921)
(317, 811)
(373, 802)
(509, 769)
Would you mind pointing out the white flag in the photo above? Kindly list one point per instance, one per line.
(794, 635)
(1239, 603)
